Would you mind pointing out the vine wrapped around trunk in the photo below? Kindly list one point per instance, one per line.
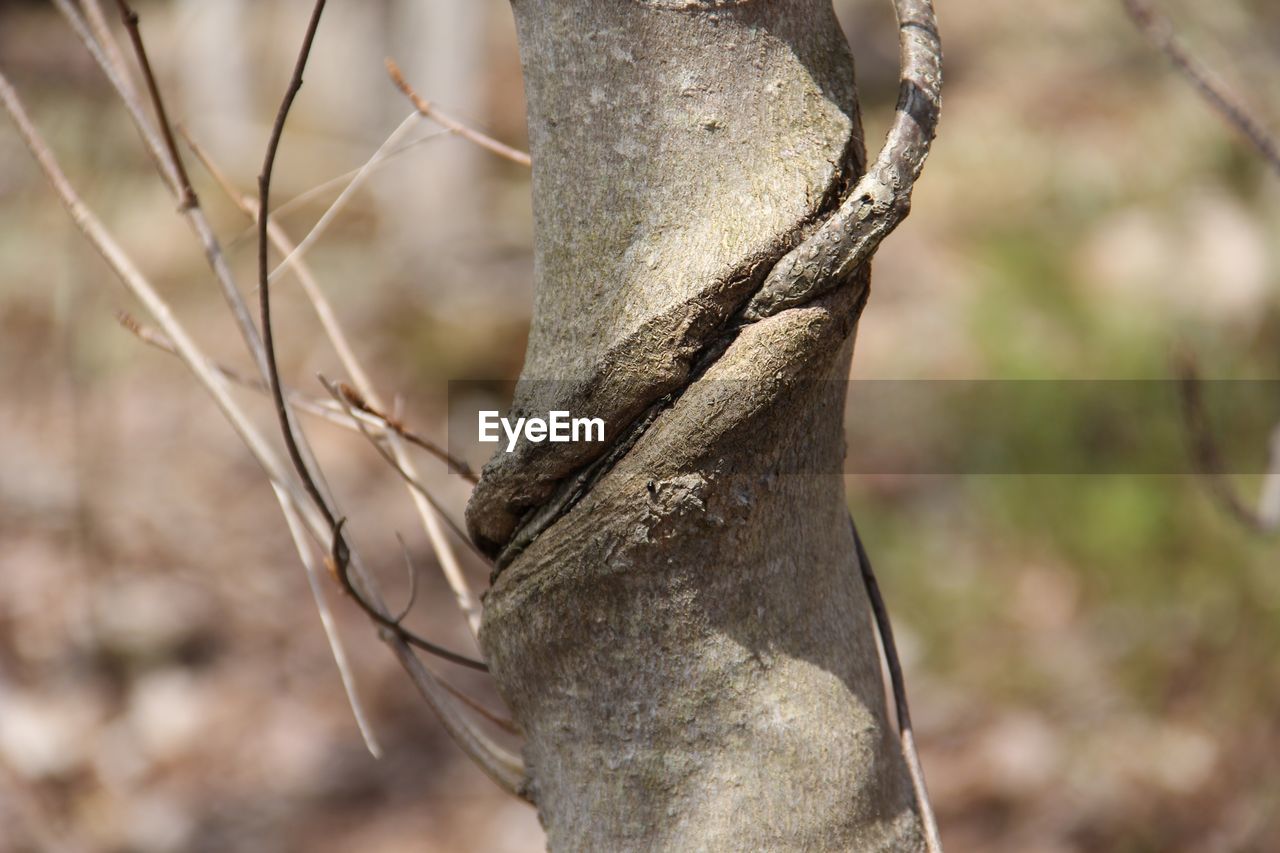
(678, 622)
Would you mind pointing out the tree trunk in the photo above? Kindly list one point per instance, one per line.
(678, 623)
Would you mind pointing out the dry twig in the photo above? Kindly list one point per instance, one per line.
(360, 404)
(325, 409)
(102, 33)
(298, 509)
(498, 763)
(340, 550)
(391, 459)
(193, 213)
(322, 224)
(1158, 29)
(504, 768)
(1208, 458)
(429, 110)
(130, 18)
(906, 734)
(378, 160)
(166, 157)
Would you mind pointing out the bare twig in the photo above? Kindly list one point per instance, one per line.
(499, 764)
(345, 196)
(501, 722)
(1208, 459)
(395, 462)
(360, 404)
(169, 163)
(505, 723)
(1158, 30)
(378, 160)
(142, 289)
(166, 158)
(286, 487)
(264, 290)
(324, 310)
(325, 409)
(298, 533)
(117, 76)
(339, 565)
(340, 551)
(427, 109)
(431, 514)
(412, 570)
(130, 18)
(906, 734)
(107, 40)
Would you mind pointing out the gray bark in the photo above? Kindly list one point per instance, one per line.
(678, 623)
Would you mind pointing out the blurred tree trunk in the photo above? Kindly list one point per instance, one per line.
(678, 623)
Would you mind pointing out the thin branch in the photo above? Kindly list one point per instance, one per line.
(505, 723)
(394, 461)
(428, 110)
(125, 90)
(501, 722)
(1208, 459)
(287, 490)
(413, 581)
(325, 409)
(339, 565)
(1158, 30)
(500, 765)
(130, 18)
(194, 214)
(107, 40)
(326, 219)
(328, 318)
(881, 198)
(142, 289)
(360, 404)
(431, 514)
(378, 160)
(340, 551)
(906, 734)
(264, 291)
(298, 533)
(324, 310)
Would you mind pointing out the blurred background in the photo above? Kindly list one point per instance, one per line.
(1094, 661)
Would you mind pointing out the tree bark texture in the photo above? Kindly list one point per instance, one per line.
(678, 623)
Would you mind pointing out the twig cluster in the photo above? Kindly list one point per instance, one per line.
(303, 496)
